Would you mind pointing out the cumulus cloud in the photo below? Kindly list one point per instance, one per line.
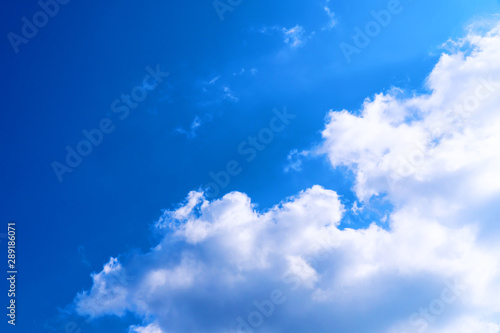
(420, 141)
(435, 157)
(229, 253)
(225, 266)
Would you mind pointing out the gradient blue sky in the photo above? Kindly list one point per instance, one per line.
(228, 74)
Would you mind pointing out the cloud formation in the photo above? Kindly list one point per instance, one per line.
(331, 17)
(193, 128)
(225, 266)
(294, 37)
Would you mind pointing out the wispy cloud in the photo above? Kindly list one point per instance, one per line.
(252, 71)
(295, 159)
(81, 253)
(239, 73)
(331, 17)
(293, 37)
(229, 94)
(217, 90)
(191, 133)
(215, 79)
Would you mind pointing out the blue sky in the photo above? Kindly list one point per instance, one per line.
(226, 80)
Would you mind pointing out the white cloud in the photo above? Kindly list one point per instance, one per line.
(355, 208)
(229, 94)
(109, 292)
(331, 17)
(152, 328)
(295, 159)
(293, 37)
(191, 133)
(240, 72)
(435, 159)
(214, 80)
(217, 91)
(471, 325)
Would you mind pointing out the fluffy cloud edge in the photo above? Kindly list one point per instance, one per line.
(227, 243)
